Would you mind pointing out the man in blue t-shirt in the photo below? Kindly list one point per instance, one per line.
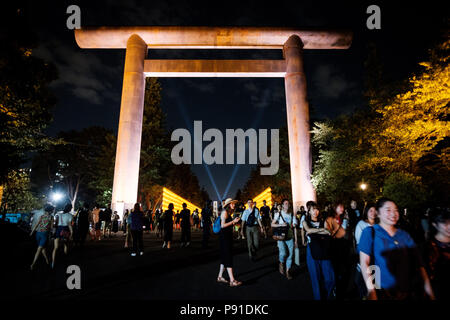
(251, 219)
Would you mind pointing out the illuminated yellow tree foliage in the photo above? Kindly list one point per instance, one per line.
(415, 121)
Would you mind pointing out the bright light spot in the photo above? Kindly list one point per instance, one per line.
(56, 196)
(363, 186)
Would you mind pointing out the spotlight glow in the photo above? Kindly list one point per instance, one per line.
(363, 186)
(56, 196)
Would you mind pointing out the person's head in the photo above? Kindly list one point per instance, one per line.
(339, 208)
(67, 208)
(387, 211)
(109, 206)
(314, 211)
(250, 203)
(310, 205)
(441, 222)
(137, 207)
(184, 205)
(170, 206)
(285, 205)
(302, 208)
(127, 211)
(264, 202)
(49, 208)
(229, 204)
(353, 204)
(370, 213)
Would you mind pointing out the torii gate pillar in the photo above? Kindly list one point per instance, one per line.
(128, 153)
(297, 109)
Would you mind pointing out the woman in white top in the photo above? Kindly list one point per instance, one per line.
(64, 231)
(283, 218)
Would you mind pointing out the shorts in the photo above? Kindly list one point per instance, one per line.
(62, 232)
(41, 238)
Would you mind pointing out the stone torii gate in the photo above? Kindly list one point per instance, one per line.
(137, 41)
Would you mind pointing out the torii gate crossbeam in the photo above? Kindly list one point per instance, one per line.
(137, 41)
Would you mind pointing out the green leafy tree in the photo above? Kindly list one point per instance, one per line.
(26, 102)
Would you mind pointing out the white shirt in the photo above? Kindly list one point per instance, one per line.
(359, 229)
(301, 221)
(286, 217)
(64, 219)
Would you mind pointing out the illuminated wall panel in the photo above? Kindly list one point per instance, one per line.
(265, 195)
(171, 197)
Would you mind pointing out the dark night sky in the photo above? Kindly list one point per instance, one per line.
(90, 80)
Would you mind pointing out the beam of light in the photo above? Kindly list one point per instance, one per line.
(171, 197)
(255, 123)
(188, 123)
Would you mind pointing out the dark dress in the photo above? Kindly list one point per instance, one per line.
(226, 245)
(168, 225)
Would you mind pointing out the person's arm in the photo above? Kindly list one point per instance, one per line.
(35, 225)
(427, 283)
(260, 223)
(364, 261)
(308, 230)
(302, 233)
(275, 220)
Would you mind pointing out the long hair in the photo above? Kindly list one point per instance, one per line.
(137, 207)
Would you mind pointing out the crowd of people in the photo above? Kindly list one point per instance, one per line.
(367, 253)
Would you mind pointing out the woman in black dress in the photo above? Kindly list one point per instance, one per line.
(167, 218)
(226, 242)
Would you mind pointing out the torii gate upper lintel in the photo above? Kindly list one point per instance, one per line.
(137, 41)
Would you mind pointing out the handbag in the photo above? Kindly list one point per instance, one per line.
(280, 233)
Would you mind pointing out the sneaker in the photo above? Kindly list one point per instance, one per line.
(141, 253)
(182, 245)
(187, 244)
(133, 254)
(164, 245)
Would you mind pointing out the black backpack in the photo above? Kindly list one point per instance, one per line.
(251, 218)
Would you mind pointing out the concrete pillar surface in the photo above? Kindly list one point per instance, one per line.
(126, 172)
(298, 123)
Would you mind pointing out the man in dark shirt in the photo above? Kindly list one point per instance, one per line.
(185, 216)
(107, 214)
(265, 214)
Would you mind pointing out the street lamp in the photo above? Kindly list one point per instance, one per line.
(363, 187)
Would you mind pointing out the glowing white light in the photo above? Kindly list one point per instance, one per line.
(56, 196)
(363, 186)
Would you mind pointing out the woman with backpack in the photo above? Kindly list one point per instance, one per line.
(64, 231)
(226, 242)
(393, 255)
(318, 254)
(286, 243)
